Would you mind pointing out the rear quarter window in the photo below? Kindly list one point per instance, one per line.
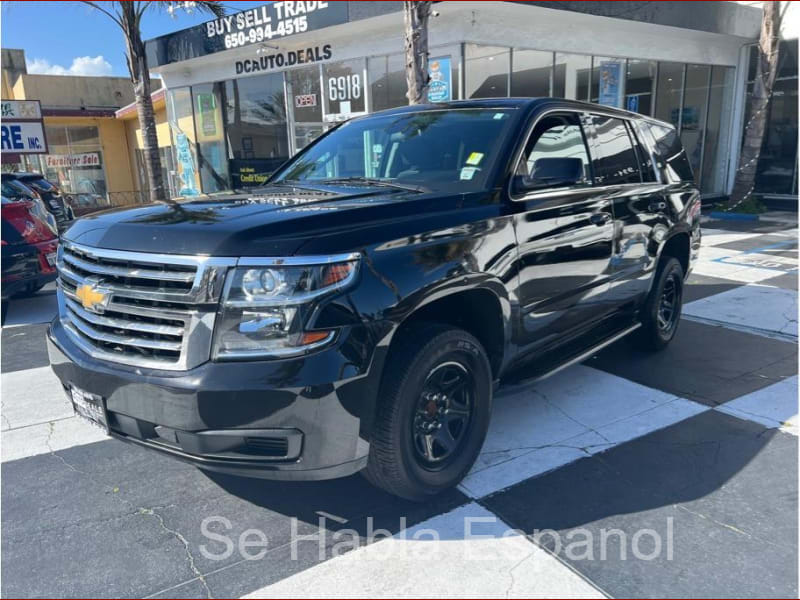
(671, 151)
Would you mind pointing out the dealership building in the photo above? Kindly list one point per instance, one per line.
(245, 92)
(248, 90)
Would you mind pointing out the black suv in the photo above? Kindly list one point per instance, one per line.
(356, 313)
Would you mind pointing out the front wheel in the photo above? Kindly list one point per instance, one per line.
(433, 412)
(662, 310)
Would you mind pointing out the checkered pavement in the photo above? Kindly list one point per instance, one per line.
(672, 474)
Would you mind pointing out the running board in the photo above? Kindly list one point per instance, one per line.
(575, 359)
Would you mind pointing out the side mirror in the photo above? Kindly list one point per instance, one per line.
(551, 172)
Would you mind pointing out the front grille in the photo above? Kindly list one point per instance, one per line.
(157, 310)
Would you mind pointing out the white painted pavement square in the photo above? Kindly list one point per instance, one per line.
(773, 406)
(44, 438)
(37, 417)
(539, 427)
(750, 307)
(443, 557)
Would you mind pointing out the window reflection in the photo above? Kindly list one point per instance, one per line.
(776, 172)
(693, 120)
(487, 70)
(387, 78)
(571, 76)
(210, 135)
(639, 83)
(532, 73)
(669, 92)
(618, 162)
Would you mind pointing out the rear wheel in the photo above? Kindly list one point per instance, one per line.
(662, 310)
(432, 414)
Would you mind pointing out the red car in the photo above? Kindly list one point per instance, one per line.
(29, 245)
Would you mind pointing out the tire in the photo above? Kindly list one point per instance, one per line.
(406, 457)
(657, 331)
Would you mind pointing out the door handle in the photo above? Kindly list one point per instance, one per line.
(600, 218)
(657, 206)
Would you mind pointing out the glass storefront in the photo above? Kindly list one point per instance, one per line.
(486, 71)
(776, 173)
(74, 163)
(242, 129)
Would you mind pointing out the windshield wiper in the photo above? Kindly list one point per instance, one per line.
(372, 181)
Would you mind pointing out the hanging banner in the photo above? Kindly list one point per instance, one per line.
(441, 85)
(610, 83)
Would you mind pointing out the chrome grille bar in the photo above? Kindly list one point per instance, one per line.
(140, 273)
(112, 338)
(118, 323)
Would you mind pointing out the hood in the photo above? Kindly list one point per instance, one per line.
(269, 221)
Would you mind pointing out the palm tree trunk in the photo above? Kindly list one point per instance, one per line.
(766, 71)
(140, 78)
(417, 14)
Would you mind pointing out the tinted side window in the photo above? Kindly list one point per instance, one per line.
(670, 149)
(645, 158)
(617, 162)
(558, 136)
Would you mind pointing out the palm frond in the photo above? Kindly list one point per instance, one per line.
(212, 7)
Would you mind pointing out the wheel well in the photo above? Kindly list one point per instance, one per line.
(678, 247)
(476, 311)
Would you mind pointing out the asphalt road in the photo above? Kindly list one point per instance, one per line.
(630, 475)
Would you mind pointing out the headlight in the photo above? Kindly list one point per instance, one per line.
(266, 306)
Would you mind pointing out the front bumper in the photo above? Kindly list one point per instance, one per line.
(293, 419)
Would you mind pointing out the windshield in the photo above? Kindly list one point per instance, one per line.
(448, 150)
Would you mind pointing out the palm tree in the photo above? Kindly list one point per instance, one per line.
(766, 71)
(417, 13)
(128, 16)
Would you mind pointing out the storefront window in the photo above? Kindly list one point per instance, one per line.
(210, 134)
(608, 81)
(487, 71)
(532, 73)
(571, 76)
(255, 119)
(75, 163)
(344, 87)
(181, 123)
(387, 80)
(305, 102)
(669, 92)
(693, 120)
(776, 172)
(715, 155)
(639, 83)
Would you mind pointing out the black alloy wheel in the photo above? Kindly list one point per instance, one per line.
(443, 416)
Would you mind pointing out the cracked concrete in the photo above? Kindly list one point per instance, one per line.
(190, 557)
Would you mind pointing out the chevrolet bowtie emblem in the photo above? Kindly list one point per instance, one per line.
(91, 298)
